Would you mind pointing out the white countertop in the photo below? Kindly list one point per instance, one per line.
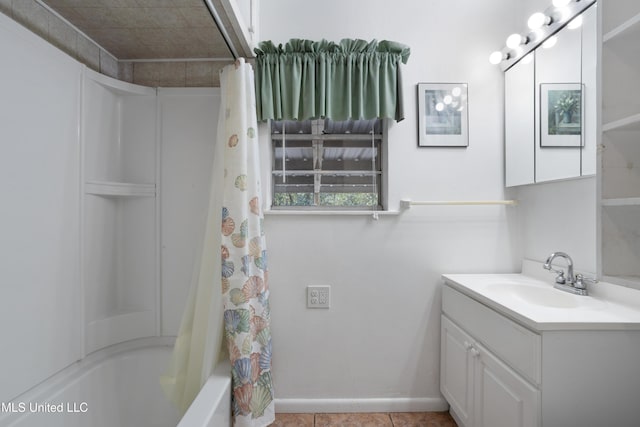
(537, 305)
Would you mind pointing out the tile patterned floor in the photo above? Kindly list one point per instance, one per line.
(405, 419)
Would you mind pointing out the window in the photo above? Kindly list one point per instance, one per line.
(326, 164)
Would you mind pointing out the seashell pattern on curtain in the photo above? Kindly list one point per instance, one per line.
(245, 286)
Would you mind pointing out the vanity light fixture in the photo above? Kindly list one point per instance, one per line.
(497, 57)
(541, 28)
(538, 20)
(515, 40)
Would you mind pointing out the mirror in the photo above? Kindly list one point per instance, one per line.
(519, 122)
(550, 108)
(559, 110)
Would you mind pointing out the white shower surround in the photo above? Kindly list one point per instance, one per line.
(76, 191)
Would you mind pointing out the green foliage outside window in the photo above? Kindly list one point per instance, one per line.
(327, 199)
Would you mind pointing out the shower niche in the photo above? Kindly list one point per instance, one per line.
(120, 221)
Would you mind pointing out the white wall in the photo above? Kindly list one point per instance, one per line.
(380, 338)
(560, 216)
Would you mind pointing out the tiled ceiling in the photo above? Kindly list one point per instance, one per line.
(147, 29)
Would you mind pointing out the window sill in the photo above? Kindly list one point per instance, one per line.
(375, 214)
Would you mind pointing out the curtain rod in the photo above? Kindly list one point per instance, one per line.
(406, 204)
(221, 28)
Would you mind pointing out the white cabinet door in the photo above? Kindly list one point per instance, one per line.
(456, 370)
(501, 397)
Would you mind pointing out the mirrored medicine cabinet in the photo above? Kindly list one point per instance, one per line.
(550, 107)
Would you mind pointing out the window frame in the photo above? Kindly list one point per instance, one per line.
(382, 182)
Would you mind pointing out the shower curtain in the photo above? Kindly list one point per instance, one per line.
(240, 274)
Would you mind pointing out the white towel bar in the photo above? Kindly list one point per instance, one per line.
(406, 204)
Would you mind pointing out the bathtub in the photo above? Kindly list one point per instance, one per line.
(118, 387)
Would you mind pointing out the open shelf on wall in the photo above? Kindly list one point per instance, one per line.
(624, 201)
(627, 29)
(119, 189)
(627, 123)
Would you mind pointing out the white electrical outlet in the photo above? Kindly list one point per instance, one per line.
(318, 296)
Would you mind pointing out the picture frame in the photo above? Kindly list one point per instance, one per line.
(443, 115)
(561, 115)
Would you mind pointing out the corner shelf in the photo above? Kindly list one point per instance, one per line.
(627, 123)
(626, 201)
(119, 87)
(119, 189)
(120, 202)
(623, 29)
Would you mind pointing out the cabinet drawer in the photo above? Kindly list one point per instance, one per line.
(515, 345)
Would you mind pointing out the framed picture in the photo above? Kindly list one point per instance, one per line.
(443, 116)
(561, 114)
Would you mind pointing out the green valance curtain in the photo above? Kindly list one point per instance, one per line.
(354, 79)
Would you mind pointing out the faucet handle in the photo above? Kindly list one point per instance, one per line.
(560, 273)
(582, 282)
(560, 277)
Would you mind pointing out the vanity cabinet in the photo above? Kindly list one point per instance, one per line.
(510, 359)
(482, 385)
(619, 154)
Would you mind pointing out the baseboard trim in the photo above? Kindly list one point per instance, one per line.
(292, 406)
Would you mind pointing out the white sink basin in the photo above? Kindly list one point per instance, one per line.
(546, 297)
(537, 304)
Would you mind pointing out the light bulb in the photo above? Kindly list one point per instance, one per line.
(575, 23)
(515, 40)
(439, 106)
(447, 99)
(550, 42)
(496, 57)
(456, 91)
(538, 20)
(561, 3)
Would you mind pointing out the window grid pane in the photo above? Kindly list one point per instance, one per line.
(322, 170)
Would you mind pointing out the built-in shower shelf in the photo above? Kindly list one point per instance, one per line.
(119, 189)
(117, 86)
(626, 201)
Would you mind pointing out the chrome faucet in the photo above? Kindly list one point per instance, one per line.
(575, 284)
(560, 279)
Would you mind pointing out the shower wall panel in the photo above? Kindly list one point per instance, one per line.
(40, 292)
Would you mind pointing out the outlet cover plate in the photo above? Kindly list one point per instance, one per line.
(318, 296)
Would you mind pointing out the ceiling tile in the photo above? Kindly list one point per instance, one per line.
(147, 29)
